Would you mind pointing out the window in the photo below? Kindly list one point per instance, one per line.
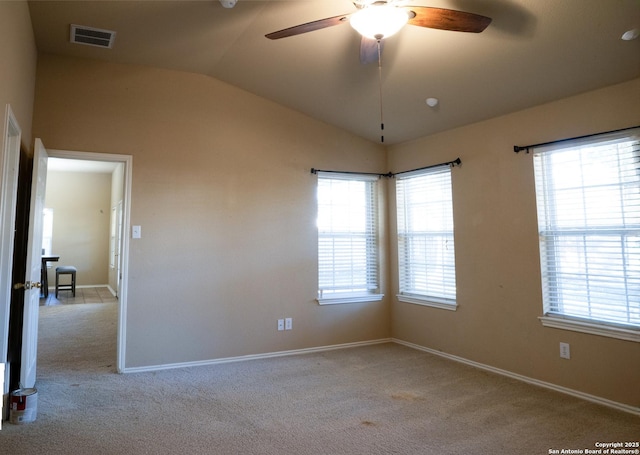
(47, 231)
(588, 196)
(426, 255)
(347, 238)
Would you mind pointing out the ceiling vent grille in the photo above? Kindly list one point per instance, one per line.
(92, 36)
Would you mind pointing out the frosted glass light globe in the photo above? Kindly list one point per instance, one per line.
(379, 21)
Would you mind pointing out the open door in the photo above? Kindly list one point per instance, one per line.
(9, 163)
(34, 265)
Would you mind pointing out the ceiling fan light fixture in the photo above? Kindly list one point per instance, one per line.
(379, 21)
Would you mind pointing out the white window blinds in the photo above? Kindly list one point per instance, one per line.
(347, 235)
(588, 196)
(425, 235)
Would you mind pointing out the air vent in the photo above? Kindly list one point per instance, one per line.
(92, 36)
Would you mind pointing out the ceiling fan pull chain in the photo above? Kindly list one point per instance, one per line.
(380, 88)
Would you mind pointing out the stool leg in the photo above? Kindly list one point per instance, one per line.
(73, 283)
(57, 282)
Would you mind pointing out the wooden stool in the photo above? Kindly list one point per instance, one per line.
(66, 270)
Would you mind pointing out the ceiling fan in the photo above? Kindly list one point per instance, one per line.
(377, 20)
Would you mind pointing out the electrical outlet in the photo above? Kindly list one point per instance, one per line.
(280, 325)
(565, 351)
(288, 323)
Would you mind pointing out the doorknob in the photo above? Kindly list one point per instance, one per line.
(27, 285)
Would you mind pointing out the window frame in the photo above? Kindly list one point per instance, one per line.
(371, 233)
(447, 298)
(553, 314)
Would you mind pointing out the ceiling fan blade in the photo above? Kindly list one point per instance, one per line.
(369, 50)
(447, 19)
(309, 27)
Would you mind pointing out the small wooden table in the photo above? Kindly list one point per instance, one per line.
(44, 276)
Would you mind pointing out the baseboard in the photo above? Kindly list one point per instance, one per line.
(519, 377)
(255, 356)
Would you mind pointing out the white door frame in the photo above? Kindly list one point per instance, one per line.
(119, 235)
(9, 163)
(127, 160)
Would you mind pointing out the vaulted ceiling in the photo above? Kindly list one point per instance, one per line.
(534, 51)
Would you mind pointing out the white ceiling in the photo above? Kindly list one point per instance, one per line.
(534, 51)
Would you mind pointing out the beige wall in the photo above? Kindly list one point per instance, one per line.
(81, 216)
(497, 256)
(222, 188)
(18, 57)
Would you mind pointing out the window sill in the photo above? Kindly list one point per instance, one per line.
(350, 299)
(593, 328)
(428, 301)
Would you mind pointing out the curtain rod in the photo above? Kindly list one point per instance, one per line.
(455, 162)
(518, 149)
(315, 171)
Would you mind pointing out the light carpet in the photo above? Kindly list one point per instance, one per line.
(380, 399)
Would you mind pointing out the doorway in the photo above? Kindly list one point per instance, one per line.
(111, 221)
(81, 228)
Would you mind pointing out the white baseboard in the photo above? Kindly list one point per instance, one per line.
(547, 385)
(255, 356)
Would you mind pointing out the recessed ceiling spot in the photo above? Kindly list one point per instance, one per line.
(432, 102)
(631, 34)
(92, 36)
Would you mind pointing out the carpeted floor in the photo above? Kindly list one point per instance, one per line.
(381, 399)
